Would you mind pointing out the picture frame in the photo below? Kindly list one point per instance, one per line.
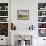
(22, 14)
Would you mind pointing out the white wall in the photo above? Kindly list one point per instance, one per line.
(32, 6)
(23, 5)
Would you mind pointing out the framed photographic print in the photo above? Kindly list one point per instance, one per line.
(23, 14)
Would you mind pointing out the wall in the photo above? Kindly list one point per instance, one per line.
(32, 6)
(21, 5)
